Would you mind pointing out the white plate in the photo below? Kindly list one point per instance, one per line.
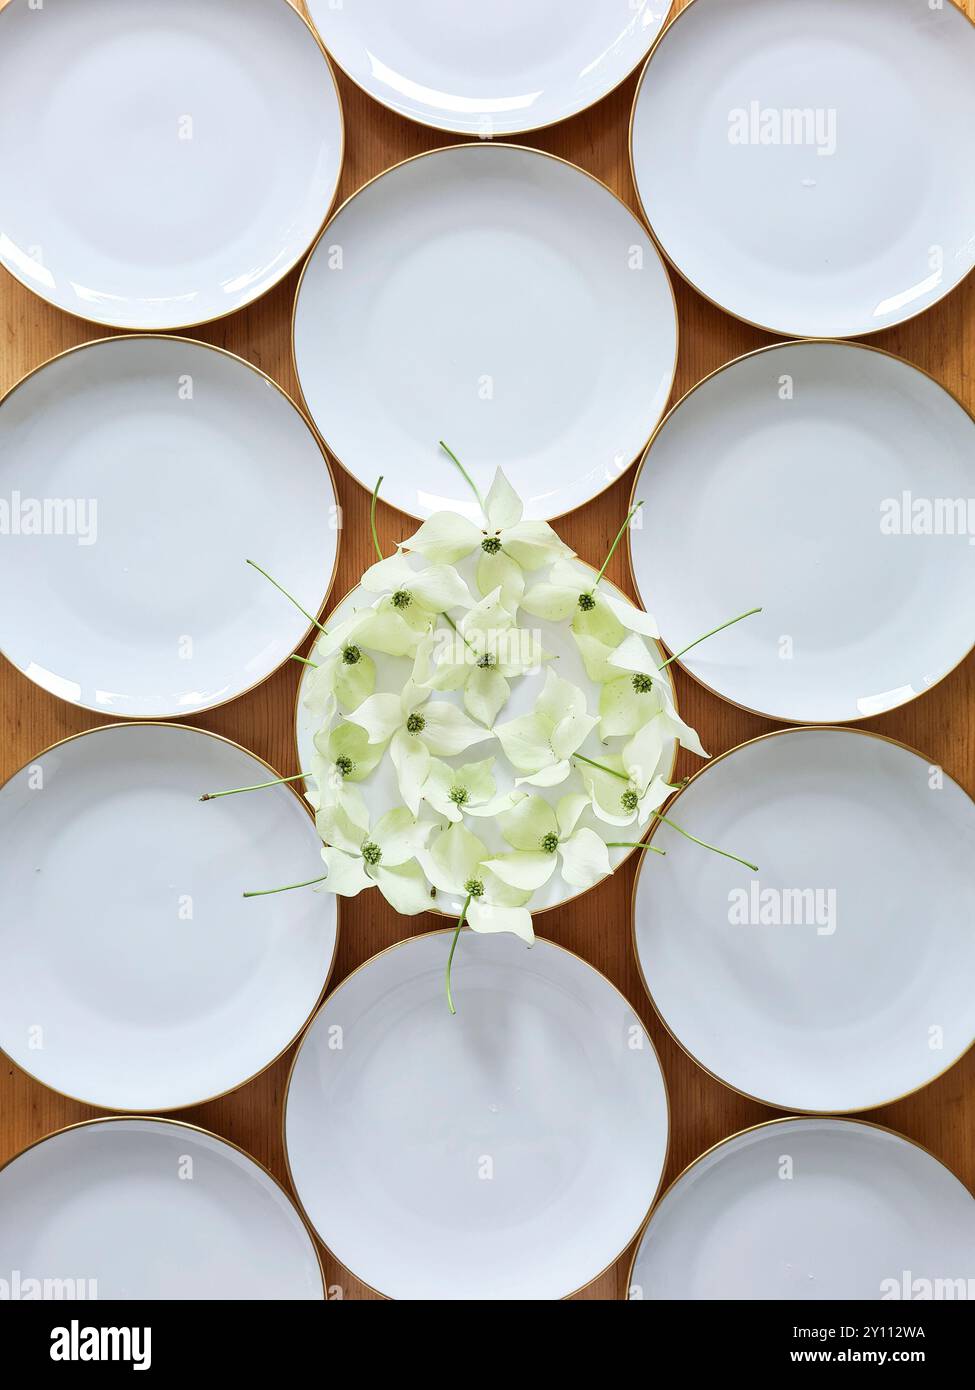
(488, 70)
(810, 1209)
(165, 163)
(509, 1151)
(381, 789)
(803, 504)
(806, 166)
(150, 1209)
(133, 975)
(839, 976)
(496, 298)
(154, 468)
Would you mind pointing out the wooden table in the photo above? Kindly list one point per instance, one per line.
(942, 341)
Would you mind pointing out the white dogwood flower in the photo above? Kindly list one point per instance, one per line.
(539, 745)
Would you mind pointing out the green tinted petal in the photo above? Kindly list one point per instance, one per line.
(526, 826)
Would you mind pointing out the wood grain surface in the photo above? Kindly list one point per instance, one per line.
(942, 341)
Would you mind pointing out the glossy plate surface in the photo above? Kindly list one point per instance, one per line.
(133, 975)
(829, 484)
(837, 977)
(139, 475)
(150, 1209)
(810, 1209)
(165, 163)
(805, 165)
(506, 1152)
(496, 298)
(489, 70)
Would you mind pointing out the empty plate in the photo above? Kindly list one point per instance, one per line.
(810, 1209)
(509, 1151)
(137, 477)
(133, 975)
(831, 484)
(164, 163)
(150, 1209)
(492, 70)
(839, 976)
(380, 789)
(806, 166)
(496, 298)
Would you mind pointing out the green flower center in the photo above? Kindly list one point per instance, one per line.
(402, 598)
(345, 765)
(371, 853)
(474, 887)
(550, 842)
(491, 545)
(487, 661)
(629, 800)
(351, 656)
(415, 724)
(587, 603)
(642, 683)
(459, 796)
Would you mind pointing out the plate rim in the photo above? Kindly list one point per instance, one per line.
(507, 145)
(795, 1117)
(447, 931)
(121, 1112)
(515, 130)
(740, 318)
(125, 1117)
(553, 907)
(179, 327)
(794, 1111)
(644, 462)
(288, 399)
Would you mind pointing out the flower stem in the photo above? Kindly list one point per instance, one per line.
(465, 475)
(580, 757)
(633, 844)
(612, 549)
(372, 516)
(459, 633)
(304, 661)
(703, 843)
(453, 948)
(290, 597)
(730, 623)
(265, 892)
(258, 786)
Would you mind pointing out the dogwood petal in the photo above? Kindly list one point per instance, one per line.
(571, 732)
(526, 742)
(452, 858)
(549, 602)
(585, 859)
(606, 791)
(526, 870)
(502, 505)
(399, 835)
(445, 538)
(622, 709)
(501, 572)
(411, 759)
(568, 811)
(354, 681)
(559, 698)
(448, 731)
(487, 917)
(386, 576)
(386, 630)
(526, 826)
(686, 736)
(485, 694)
(644, 755)
(549, 776)
(533, 544)
(595, 657)
(346, 872)
(440, 587)
(348, 740)
(381, 715)
(633, 654)
(405, 888)
(632, 618)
